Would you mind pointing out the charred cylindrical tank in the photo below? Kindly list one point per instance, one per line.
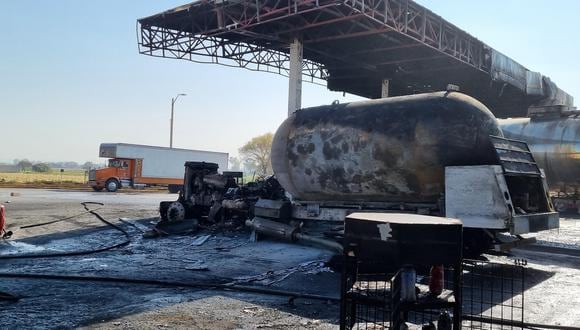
(555, 143)
(385, 150)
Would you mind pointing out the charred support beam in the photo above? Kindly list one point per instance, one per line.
(349, 35)
(295, 76)
(407, 60)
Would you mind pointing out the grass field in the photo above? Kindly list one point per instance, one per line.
(52, 177)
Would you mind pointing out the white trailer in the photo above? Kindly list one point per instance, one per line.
(133, 165)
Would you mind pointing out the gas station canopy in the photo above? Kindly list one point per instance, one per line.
(357, 46)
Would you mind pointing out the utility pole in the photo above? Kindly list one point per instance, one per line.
(173, 100)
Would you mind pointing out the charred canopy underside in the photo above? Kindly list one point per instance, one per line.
(350, 46)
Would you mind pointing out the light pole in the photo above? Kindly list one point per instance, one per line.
(173, 100)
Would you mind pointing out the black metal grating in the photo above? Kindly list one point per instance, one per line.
(369, 298)
(492, 296)
(515, 157)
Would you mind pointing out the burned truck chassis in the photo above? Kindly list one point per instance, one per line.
(213, 197)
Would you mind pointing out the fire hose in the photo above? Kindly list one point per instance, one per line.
(126, 241)
(206, 285)
(199, 285)
(62, 219)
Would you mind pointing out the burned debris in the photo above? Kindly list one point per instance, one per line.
(217, 197)
(399, 165)
(393, 213)
(417, 166)
(433, 154)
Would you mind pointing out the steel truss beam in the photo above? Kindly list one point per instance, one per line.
(254, 34)
(162, 42)
(423, 26)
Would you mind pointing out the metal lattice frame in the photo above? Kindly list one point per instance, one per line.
(162, 42)
(232, 33)
(424, 27)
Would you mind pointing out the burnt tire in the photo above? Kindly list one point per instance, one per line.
(97, 189)
(175, 212)
(112, 185)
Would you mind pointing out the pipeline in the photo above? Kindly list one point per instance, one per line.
(202, 285)
(289, 233)
(126, 241)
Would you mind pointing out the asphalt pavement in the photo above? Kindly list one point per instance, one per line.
(552, 291)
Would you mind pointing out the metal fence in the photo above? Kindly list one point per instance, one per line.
(492, 296)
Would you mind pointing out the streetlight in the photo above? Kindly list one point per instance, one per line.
(173, 99)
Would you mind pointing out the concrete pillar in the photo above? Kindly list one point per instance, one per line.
(385, 88)
(295, 76)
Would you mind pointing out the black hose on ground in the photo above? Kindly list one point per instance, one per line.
(81, 252)
(5, 296)
(58, 220)
(217, 286)
(202, 285)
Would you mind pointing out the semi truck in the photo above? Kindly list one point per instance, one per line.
(138, 166)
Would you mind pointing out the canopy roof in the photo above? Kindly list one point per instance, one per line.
(350, 45)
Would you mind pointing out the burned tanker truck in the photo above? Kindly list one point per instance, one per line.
(437, 154)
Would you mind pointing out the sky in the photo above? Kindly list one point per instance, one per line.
(71, 76)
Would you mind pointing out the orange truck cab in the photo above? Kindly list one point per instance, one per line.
(138, 166)
(118, 173)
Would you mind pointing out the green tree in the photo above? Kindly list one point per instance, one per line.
(89, 165)
(24, 165)
(249, 167)
(234, 164)
(40, 167)
(257, 151)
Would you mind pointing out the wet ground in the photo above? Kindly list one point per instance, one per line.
(552, 292)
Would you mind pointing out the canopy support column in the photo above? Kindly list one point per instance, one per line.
(295, 76)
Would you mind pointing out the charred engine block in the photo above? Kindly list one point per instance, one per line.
(210, 196)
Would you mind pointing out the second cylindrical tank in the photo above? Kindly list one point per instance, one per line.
(555, 143)
(385, 150)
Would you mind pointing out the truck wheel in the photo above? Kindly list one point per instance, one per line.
(112, 185)
(95, 188)
(175, 212)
